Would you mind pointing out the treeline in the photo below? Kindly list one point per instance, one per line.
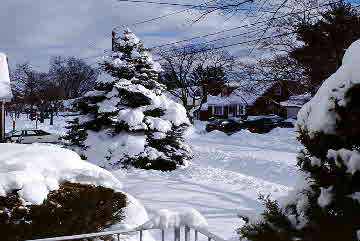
(43, 92)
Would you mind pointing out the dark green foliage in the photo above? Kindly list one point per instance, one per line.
(161, 164)
(326, 40)
(157, 112)
(175, 153)
(76, 134)
(129, 87)
(325, 159)
(73, 209)
(274, 226)
(133, 99)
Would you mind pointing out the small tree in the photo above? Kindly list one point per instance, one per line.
(127, 120)
(327, 207)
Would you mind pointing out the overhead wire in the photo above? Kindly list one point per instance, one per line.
(238, 27)
(235, 28)
(228, 6)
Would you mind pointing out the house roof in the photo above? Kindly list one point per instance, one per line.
(5, 89)
(246, 93)
(296, 100)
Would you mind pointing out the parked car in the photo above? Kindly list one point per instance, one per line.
(227, 126)
(289, 123)
(29, 136)
(263, 124)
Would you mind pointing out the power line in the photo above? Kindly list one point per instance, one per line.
(235, 44)
(169, 14)
(238, 27)
(229, 6)
(242, 26)
(232, 36)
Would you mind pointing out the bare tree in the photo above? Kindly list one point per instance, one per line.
(73, 75)
(180, 63)
(26, 84)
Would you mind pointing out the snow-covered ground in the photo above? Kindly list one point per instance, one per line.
(25, 123)
(223, 180)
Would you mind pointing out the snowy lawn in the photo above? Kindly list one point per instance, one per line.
(224, 178)
(25, 123)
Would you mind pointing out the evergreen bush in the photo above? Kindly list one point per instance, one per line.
(72, 209)
(127, 120)
(327, 207)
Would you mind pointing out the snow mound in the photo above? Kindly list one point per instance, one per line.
(319, 114)
(35, 170)
(165, 219)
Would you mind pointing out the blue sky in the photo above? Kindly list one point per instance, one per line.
(35, 30)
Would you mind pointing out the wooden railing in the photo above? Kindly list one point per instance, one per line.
(118, 234)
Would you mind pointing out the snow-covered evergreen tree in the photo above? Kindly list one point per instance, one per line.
(127, 120)
(326, 206)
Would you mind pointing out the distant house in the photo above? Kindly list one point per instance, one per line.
(240, 101)
(294, 104)
(5, 91)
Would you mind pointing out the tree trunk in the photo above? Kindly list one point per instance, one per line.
(52, 116)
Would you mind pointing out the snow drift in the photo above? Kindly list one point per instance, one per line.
(35, 170)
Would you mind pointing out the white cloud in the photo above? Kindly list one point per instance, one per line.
(36, 30)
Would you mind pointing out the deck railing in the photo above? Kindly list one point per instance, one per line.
(177, 235)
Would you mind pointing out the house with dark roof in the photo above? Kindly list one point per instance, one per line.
(239, 100)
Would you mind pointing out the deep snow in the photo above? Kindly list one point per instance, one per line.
(222, 181)
(224, 178)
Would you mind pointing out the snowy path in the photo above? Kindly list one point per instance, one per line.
(224, 179)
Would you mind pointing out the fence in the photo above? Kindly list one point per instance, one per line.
(118, 234)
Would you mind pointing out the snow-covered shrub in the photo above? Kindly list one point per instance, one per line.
(72, 209)
(127, 120)
(327, 207)
(46, 191)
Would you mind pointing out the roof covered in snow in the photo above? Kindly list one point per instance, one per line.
(5, 89)
(296, 100)
(246, 94)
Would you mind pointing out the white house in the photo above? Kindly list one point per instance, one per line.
(5, 91)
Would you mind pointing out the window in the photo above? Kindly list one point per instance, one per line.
(241, 109)
(30, 133)
(41, 133)
(218, 110)
(231, 109)
(16, 133)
